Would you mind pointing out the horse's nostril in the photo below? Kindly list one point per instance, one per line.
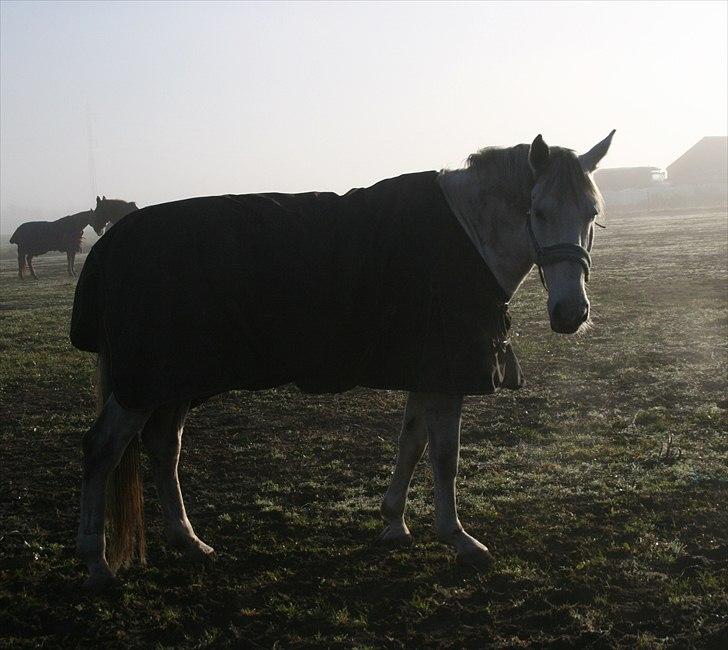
(573, 315)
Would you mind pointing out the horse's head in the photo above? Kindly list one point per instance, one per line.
(98, 219)
(110, 211)
(564, 206)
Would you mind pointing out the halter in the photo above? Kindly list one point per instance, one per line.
(559, 253)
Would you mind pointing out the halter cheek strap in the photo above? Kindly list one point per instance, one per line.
(558, 253)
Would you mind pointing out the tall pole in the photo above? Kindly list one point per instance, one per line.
(91, 145)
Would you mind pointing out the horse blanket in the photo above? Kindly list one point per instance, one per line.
(39, 237)
(379, 287)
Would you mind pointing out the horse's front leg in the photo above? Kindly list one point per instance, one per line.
(443, 430)
(412, 443)
(162, 438)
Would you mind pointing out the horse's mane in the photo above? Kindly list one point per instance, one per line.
(505, 171)
(118, 202)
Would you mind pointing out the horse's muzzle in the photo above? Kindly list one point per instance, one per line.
(567, 319)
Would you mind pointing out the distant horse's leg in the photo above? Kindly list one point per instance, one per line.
(103, 446)
(412, 443)
(21, 262)
(29, 259)
(443, 429)
(162, 438)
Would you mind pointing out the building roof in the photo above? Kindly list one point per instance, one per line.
(705, 162)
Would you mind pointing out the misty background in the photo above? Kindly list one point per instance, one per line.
(152, 102)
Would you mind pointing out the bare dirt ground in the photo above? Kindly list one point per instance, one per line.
(601, 486)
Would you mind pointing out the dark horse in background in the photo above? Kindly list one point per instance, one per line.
(110, 211)
(66, 234)
(39, 237)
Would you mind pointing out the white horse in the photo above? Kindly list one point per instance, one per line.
(521, 206)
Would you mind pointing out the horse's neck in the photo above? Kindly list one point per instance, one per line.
(121, 212)
(496, 226)
(117, 217)
(78, 220)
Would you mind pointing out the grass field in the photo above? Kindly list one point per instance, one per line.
(601, 487)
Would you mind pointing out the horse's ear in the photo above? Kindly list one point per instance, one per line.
(538, 155)
(590, 160)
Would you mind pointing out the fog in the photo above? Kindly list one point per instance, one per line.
(152, 102)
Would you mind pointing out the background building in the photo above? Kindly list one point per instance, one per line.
(698, 178)
(704, 163)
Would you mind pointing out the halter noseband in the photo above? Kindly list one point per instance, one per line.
(558, 253)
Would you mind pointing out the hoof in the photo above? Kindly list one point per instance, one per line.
(201, 557)
(200, 553)
(100, 582)
(390, 538)
(478, 559)
(192, 547)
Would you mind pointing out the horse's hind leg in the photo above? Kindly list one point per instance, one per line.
(29, 259)
(21, 262)
(103, 446)
(412, 443)
(162, 438)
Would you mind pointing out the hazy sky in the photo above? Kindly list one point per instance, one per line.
(188, 99)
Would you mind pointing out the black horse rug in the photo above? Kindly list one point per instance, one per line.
(378, 287)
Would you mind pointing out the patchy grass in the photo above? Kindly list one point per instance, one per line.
(601, 487)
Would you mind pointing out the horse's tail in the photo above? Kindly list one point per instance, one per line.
(124, 491)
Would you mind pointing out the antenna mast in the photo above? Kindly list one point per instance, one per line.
(91, 145)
